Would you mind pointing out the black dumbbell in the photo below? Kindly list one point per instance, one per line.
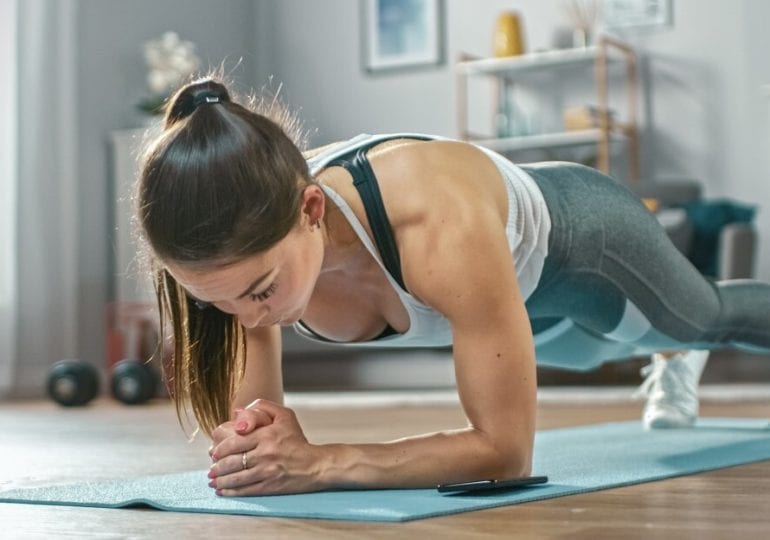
(133, 382)
(72, 382)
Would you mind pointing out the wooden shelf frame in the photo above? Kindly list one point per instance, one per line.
(628, 128)
(608, 50)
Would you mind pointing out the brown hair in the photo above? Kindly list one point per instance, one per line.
(222, 182)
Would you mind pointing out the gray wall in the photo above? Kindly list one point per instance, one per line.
(314, 51)
(706, 115)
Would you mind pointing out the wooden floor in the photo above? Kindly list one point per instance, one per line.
(42, 444)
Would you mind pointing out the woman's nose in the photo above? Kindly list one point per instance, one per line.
(251, 316)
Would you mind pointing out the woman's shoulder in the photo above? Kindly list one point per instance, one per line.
(418, 177)
(420, 162)
(414, 175)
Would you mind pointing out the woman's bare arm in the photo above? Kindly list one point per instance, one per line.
(459, 263)
(262, 378)
(468, 275)
(494, 362)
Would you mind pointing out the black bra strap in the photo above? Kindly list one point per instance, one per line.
(365, 183)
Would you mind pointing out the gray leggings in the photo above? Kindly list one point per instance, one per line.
(614, 286)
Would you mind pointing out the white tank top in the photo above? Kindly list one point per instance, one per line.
(527, 230)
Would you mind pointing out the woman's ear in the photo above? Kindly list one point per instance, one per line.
(313, 205)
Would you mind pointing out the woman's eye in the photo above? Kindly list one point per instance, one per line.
(264, 295)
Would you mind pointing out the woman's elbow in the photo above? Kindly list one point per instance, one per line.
(514, 463)
(511, 458)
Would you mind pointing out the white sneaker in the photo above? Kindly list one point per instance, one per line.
(671, 387)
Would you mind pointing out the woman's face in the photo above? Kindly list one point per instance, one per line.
(273, 287)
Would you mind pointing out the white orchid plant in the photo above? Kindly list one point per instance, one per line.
(170, 62)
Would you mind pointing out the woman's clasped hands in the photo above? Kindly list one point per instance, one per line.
(263, 451)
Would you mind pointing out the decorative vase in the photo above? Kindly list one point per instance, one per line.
(508, 38)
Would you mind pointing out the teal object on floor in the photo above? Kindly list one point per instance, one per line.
(576, 460)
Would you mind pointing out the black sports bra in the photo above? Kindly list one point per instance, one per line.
(365, 182)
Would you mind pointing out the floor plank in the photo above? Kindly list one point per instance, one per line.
(42, 444)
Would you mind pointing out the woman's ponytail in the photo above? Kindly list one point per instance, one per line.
(194, 95)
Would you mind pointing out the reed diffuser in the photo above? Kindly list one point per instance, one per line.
(582, 15)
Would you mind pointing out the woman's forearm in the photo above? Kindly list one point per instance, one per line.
(421, 461)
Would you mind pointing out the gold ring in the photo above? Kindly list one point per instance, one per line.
(243, 461)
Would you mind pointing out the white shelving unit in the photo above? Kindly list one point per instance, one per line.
(518, 65)
(510, 70)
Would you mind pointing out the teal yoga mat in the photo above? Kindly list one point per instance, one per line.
(577, 460)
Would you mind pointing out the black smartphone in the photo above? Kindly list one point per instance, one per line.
(488, 485)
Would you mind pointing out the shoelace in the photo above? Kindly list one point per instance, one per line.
(668, 382)
(652, 374)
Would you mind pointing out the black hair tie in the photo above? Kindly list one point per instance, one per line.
(205, 98)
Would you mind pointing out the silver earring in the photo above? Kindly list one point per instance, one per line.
(318, 224)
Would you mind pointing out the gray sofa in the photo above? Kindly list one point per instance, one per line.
(736, 252)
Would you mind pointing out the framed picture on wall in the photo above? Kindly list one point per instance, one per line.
(401, 34)
(637, 13)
